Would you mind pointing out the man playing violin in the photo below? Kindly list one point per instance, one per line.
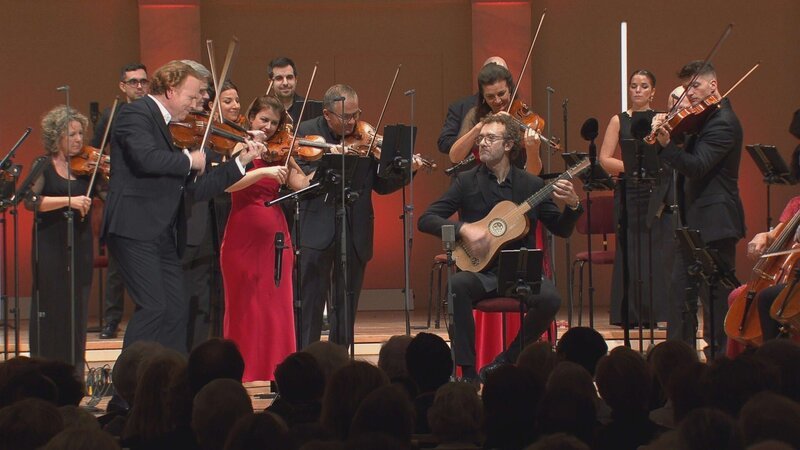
(283, 74)
(472, 195)
(708, 198)
(145, 220)
(319, 227)
(134, 84)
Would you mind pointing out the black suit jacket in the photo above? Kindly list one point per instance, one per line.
(452, 123)
(467, 195)
(318, 214)
(150, 177)
(708, 189)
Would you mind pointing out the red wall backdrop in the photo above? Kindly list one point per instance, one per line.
(440, 44)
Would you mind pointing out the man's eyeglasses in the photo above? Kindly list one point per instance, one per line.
(490, 138)
(134, 82)
(347, 117)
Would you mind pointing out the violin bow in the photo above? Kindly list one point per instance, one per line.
(385, 104)
(527, 59)
(232, 50)
(742, 79)
(103, 144)
(302, 110)
(708, 59)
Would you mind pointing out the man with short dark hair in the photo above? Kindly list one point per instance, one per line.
(708, 197)
(283, 74)
(134, 84)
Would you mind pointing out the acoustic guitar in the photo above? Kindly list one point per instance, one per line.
(507, 222)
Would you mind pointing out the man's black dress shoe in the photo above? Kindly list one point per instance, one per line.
(487, 370)
(110, 330)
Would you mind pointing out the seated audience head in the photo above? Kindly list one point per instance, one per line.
(259, 431)
(125, 373)
(216, 358)
(785, 354)
(216, 408)
(386, 410)
(623, 380)
(69, 387)
(75, 417)
(708, 428)
(582, 345)
(558, 441)
(539, 358)
(299, 378)
(568, 403)
(330, 357)
(20, 378)
(392, 357)
(685, 389)
(158, 408)
(345, 391)
(729, 383)
(510, 395)
(769, 416)
(81, 439)
(28, 424)
(429, 361)
(456, 414)
(666, 357)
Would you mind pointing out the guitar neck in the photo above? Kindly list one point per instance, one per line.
(542, 194)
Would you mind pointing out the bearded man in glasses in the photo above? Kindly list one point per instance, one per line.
(472, 195)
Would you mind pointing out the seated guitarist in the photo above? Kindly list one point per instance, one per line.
(473, 194)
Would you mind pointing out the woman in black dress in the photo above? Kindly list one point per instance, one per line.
(649, 219)
(50, 330)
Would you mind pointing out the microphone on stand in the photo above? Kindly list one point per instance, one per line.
(464, 162)
(279, 246)
(63, 88)
(589, 131)
(94, 112)
(448, 238)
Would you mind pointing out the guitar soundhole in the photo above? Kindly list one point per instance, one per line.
(497, 227)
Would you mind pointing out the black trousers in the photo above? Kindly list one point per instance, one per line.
(684, 295)
(114, 301)
(198, 264)
(321, 278)
(468, 290)
(153, 274)
(770, 328)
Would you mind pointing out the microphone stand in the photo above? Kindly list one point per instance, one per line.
(549, 238)
(7, 167)
(568, 240)
(349, 326)
(70, 215)
(449, 242)
(408, 222)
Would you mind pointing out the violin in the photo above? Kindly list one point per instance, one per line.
(279, 146)
(529, 120)
(84, 162)
(686, 120)
(223, 137)
(363, 135)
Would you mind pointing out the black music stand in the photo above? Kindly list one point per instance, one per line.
(773, 168)
(709, 267)
(398, 142)
(595, 179)
(519, 276)
(642, 169)
(327, 180)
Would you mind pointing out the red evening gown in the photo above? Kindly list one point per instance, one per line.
(258, 314)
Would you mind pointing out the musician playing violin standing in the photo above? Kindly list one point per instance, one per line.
(145, 219)
(472, 195)
(708, 198)
(495, 87)
(258, 311)
(62, 133)
(134, 84)
(318, 225)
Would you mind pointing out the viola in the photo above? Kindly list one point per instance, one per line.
(686, 120)
(529, 120)
(279, 146)
(222, 139)
(84, 162)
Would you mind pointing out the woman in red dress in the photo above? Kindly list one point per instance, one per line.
(258, 313)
